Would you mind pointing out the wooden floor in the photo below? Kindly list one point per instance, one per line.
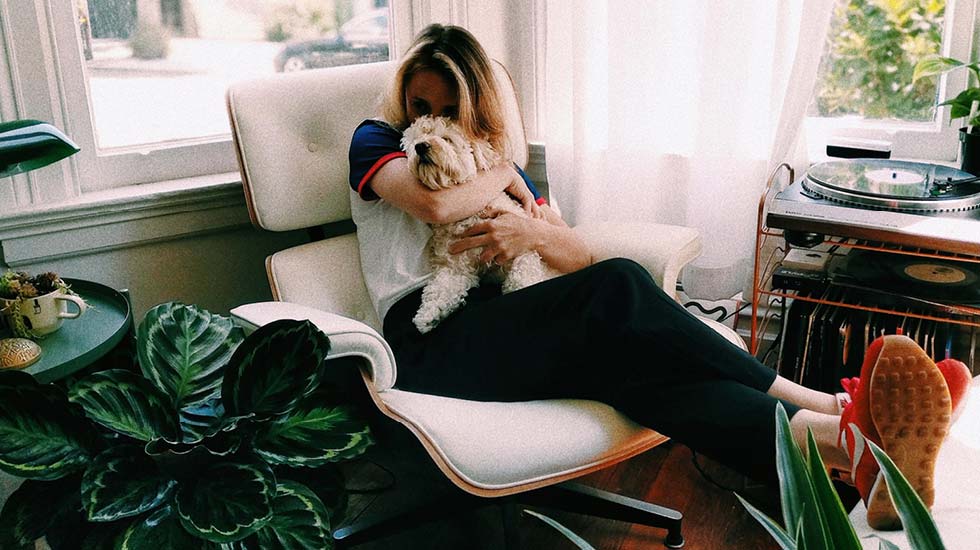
(666, 475)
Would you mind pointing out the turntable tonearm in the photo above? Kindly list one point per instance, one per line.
(912, 204)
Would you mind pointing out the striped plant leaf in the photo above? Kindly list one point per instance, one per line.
(916, 520)
(797, 494)
(887, 545)
(183, 350)
(933, 65)
(160, 529)
(839, 529)
(228, 501)
(41, 435)
(315, 432)
(126, 403)
(774, 529)
(201, 420)
(182, 459)
(122, 482)
(34, 508)
(275, 367)
(327, 483)
(299, 520)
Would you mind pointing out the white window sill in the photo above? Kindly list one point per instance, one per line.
(139, 214)
(123, 217)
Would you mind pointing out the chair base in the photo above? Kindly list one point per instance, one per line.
(568, 497)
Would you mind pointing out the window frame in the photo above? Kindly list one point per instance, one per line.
(47, 81)
(937, 140)
(42, 76)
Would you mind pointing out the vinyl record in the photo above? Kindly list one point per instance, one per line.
(937, 280)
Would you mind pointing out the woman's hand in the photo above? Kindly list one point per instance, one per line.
(503, 235)
(519, 191)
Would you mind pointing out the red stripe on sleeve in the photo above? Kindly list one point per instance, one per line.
(541, 200)
(375, 167)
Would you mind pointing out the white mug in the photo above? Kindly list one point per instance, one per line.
(45, 314)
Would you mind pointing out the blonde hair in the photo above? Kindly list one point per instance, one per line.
(455, 54)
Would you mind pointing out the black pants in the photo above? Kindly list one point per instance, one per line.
(606, 333)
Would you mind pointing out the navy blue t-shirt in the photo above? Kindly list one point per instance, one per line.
(374, 144)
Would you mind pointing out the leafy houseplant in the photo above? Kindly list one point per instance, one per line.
(813, 516)
(963, 105)
(208, 447)
(18, 286)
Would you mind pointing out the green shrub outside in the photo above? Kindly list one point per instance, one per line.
(873, 46)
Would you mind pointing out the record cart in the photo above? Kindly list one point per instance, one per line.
(859, 248)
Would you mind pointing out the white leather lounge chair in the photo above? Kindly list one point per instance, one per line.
(292, 133)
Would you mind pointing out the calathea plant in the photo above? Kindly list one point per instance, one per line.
(204, 448)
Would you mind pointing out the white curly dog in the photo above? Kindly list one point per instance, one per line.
(440, 156)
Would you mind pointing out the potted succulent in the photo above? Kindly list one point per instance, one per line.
(36, 306)
(215, 440)
(966, 105)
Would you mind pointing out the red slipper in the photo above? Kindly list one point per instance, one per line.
(902, 403)
(958, 380)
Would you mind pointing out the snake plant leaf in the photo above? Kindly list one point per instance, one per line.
(916, 520)
(781, 537)
(41, 435)
(123, 482)
(315, 432)
(160, 529)
(887, 545)
(299, 520)
(183, 350)
(840, 532)
(228, 501)
(275, 367)
(797, 494)
(34, 508)
(126, 403)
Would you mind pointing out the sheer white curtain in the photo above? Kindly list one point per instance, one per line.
(674, 112)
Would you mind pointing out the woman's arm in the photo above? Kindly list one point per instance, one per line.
(504, 236)
(395, 183)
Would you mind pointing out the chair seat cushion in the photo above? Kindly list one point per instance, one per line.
(494, 446)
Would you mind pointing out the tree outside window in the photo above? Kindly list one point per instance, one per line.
(871, 50)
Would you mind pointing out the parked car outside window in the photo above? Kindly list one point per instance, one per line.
(363, 39)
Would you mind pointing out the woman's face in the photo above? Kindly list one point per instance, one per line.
(430, 93)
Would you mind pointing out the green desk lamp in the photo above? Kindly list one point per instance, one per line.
(27, 145)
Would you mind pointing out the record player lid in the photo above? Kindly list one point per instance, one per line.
(894, 185)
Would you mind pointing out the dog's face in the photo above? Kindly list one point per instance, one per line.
(440, 155)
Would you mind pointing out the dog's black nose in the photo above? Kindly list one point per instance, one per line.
(421, 149)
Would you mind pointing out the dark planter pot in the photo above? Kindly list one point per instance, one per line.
(970, 151)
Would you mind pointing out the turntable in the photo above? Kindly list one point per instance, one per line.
(912, 204)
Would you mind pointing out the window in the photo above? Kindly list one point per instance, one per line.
(864, 86)
(140, 84)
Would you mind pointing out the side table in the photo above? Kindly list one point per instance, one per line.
(81, 342)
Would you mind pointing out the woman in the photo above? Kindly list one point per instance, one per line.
(604, 331)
